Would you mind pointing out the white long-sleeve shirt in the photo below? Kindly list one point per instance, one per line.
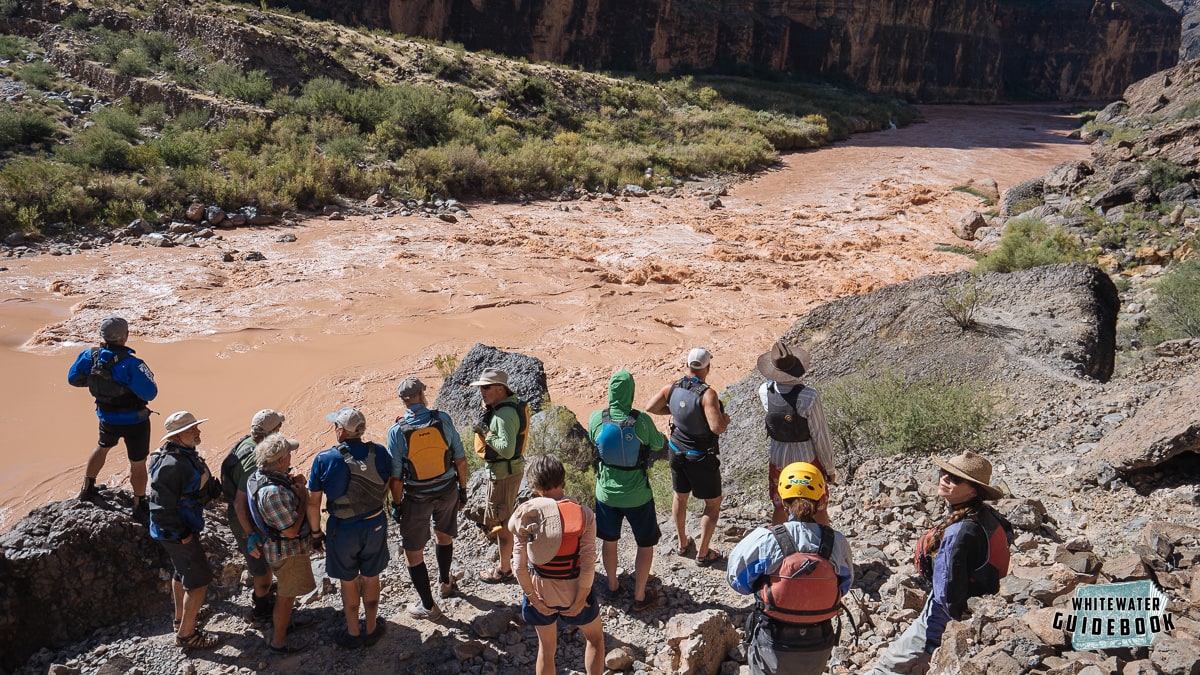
(819, 446)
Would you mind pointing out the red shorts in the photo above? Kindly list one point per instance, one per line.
(773, 474)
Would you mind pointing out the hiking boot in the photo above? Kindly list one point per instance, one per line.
(141, 511)
(418, 611)
(89, 492)
(447, 590)
(263, 610)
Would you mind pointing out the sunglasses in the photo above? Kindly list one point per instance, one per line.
(951, 478)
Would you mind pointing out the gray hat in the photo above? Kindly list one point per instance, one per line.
(179, 422)
(114, 329)
(410, 387)
(785, 363)
(272, 448)
(349, 419)
(491, 376)
(266, 421)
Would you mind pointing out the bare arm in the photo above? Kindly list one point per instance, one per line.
(717, 419)
(660, 403)
(313, 508)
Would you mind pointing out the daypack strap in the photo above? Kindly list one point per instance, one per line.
(786, 543)
(826, 548)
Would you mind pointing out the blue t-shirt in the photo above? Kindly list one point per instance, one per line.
(330, 475)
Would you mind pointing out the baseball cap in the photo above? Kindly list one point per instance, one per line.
(349, 419)
(410, 387)
(266, 421)
(114, 329)
(698, 358)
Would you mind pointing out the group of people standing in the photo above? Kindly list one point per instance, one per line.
(798, 568)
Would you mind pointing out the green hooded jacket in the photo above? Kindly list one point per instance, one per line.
(624, 488)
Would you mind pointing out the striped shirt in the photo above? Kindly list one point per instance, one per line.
(280, 509)
(818, 447)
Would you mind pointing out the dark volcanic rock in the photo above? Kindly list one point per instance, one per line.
(526, 377)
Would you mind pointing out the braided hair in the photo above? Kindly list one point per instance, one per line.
(958, 513)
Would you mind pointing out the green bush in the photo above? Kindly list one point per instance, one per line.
(1162, 174)
(23, 127)
(153, 115)
(98, 147)
(1175, 310)
(39, 74)
(53, 188)
(9, 7)
(418, 118)
(889, 414)
(961, 302)
(1028, 243)
(232, 82)
(10, 47)
(118, 120)
(131, 63)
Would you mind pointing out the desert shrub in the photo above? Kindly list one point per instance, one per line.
(188, 120)
(581, 486)
(98, 147)
(1175, 310)
(23, 127)
(446, 364)
(76, 21)
(53, 188)
(9, 7)
(419, 118)
(39, 74)
(232, 82)
(131, 63)
(960, 303)
(153, 115)
(155, 45)
(10, 47)
(120, 121)
(188, 148)
(1028, 243)
(1162, 174)
(889, 414)
(107, 44)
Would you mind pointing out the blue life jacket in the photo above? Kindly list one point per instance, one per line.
(618, 443)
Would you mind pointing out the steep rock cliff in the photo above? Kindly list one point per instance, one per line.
(931, 50)
(1189, 47)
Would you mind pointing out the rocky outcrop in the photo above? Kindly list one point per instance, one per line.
(526, 377)
(1189, 44)
(978, 51)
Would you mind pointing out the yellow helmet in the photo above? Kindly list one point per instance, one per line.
(801, 479)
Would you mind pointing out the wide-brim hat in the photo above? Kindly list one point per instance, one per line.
(974, 468)
(491, 376)
(540, 522)
(785, 363)
(179, 422)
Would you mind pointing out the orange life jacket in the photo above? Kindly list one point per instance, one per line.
(565, 564)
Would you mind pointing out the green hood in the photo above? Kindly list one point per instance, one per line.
(620, 395)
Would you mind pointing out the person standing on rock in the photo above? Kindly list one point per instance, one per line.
(964, 556)
(426, 444)
(697, 420)
(180, 486)
(625, 438)
(500, 436)
(555, 562)
(236, 469)
(795, 423)
(354, 476)
(279, 509)
(798, 572)
(122, 385)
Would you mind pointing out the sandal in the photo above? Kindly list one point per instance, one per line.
(683, 551)
(496, 576)
(713, 556)
(650, 600)
(201, 617)
(198, 640)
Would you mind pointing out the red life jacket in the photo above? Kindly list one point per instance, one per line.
(985, 579)
(565, 564)
(804, 590)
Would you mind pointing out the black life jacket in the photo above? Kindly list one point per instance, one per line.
(231, 466)
(110, 395)
(486, 452)
(618, 443)
(984, 579)
(783, 422)
(689, 425)
(197, 493)
(259, 480)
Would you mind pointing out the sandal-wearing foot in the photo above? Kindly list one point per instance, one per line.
(198, 640)
(347, 641)
(201, 617)
(496, 576)
(683, 550)
(713, 556)
(288, 647)
(650, 600)
(369, 639)
(608, 594)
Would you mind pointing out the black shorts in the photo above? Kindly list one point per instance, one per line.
(702, 478)
(191, 565)
(137, 438)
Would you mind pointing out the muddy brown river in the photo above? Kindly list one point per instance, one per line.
(339, 316)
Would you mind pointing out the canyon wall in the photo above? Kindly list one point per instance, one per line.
(927, 50)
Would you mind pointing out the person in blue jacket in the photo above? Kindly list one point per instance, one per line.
(353, 477)
(180, 485)
(122, 385)
(963, 556)
(789, 635)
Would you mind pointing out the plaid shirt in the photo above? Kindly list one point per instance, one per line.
(280, 509)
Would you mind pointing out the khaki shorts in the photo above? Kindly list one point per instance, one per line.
(295, 576)
(501, 500)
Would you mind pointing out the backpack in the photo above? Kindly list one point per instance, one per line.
(804, 589)
(110, 395)
(985, 579)
(429, 455)
(565, 564)
(783, 422)
(231, 464)
(257, 481)
(619, 444)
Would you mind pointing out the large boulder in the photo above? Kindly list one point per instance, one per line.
(697, 643)
(1164, 428)
(526, 377)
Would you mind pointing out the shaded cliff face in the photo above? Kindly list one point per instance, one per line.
(1189, 47)
(929, 50)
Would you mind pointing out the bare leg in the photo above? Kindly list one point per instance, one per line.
(679, 513)
(137, 478)
(608, 553)
(281, 617)
(350, 601)
(641, 570)
(177, 598)
(370, 595)
(593, 654)
(547, 645)
(506, 548)
(96, 462)
(191, 607)
(708, 524)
